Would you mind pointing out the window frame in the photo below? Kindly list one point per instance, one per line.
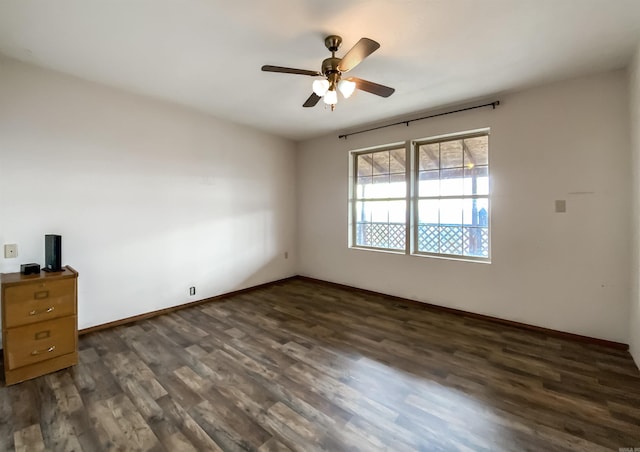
(353, 198)
(412, 196)
(416, 198)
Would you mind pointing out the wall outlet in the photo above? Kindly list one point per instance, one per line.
(192, 291)
(10, 251)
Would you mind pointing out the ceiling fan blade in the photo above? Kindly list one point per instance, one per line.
(312, 100)
(288, 70)
(358, 52)
(373, 88)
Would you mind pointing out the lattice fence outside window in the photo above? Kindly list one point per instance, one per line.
(466, 241)
(382, 235)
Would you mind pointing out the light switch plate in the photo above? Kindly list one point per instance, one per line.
(10, 251)
(561, 206)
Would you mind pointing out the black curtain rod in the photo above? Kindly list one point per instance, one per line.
(493, 104)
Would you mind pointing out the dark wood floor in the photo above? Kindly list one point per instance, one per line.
(306, 366)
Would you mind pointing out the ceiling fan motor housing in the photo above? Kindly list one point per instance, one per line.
(330, 66)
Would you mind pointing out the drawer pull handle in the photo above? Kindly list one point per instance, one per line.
(49, 309)
(42, 335)
(40, 295)
(46, 350)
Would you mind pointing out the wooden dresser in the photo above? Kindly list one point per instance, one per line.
(39, 323)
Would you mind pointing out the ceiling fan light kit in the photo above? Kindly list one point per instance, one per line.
(331, 98)
(332, 70)
(320, 87)
(346, 87)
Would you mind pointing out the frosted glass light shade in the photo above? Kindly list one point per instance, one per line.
(320, 87)
(346, 87)
(331, 97)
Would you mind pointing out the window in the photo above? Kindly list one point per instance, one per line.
(379, 194)
(448, 200)
(451, 210)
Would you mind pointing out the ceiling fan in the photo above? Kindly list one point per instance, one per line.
(332, 70)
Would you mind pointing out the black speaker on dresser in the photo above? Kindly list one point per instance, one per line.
(52, 253)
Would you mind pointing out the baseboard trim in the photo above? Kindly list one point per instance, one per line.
(497, 320)
(473, 315)
(148, 315)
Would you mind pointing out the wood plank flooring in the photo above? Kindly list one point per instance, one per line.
(305, 366)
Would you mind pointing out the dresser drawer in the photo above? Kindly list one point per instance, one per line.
(45, 300)
(40, 341)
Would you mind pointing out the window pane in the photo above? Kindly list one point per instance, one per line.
(381, 224)
(364, 184)
(429, 183)
(380, 186)
(476, 227)
(398, 161)
(450, 229)
(451, 182)
(397, 212)
(477, 151)
(429, 211)
(476, 212)
(450, 239)
(451, 154)
(398, 177)
(397, 186)
(439, 226)
(428, 238)
(451, 212)
(380, 162)
(429, 156)
(364, 165)
(476, 242)
(363, 213)
(476, 180)
(379, 212)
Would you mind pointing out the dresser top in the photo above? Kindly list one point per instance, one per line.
(19, 278)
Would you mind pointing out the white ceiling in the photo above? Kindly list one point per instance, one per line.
(207, 54)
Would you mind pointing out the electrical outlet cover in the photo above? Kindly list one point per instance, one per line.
(10, 251)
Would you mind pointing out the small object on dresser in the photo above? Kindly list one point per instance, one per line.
(52, 253)
(30, 269)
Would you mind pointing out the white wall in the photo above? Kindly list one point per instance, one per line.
(567, 272)
(149, 198)
(634, 103)
(152, 198)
